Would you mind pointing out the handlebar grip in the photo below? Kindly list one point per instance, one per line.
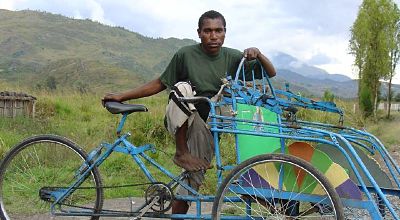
(194, 99)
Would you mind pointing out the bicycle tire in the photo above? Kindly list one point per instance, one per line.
(240, 196)
(45, 161)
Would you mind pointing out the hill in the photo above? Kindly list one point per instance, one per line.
(38, 48)
(315, 81)
(285, 61)
(44, 50)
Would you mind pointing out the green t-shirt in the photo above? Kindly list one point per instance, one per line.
(203, 71)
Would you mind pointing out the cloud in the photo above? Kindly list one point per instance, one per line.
(323, 17)
(296, 64)
(91, 9)
(316, 32)
(320, 59)
(7, 4)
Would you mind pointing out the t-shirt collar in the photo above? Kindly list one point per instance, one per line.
(212, 57)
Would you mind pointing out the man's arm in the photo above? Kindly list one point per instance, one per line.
(254, 53)
(148, 89)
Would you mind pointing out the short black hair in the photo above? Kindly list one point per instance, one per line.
(212, 15)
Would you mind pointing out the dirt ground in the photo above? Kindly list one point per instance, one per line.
(123, 204)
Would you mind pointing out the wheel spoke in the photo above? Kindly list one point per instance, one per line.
(276, 186)
(38, 163)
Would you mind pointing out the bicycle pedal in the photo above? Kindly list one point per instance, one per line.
(147, 207)
(45, 194)
(48, 193)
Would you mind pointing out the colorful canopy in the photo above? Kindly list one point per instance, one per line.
(296, 180)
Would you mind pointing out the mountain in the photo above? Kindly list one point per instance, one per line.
(39, 47)
(285, 61)
(44, 50)
(315, 86)
(315, 81)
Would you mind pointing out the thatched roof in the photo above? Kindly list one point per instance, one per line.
(6, 95)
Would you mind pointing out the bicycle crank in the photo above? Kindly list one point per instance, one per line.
(164, 195)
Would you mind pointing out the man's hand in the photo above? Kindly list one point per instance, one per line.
(251, 53)
(254, 53)
(115, 97)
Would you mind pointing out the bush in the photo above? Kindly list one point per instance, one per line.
(366, 105)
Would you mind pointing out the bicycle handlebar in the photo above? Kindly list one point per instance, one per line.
(195, 99)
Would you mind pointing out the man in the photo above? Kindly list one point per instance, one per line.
(203, 65)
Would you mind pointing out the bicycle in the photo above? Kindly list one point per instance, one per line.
(56, 172)
(67, 198)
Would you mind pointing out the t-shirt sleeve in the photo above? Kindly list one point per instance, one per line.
(173, 72)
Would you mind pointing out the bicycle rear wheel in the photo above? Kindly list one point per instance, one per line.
(276, 186)
(42, 162)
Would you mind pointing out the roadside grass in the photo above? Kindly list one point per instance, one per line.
(81, 118)
(387, 130)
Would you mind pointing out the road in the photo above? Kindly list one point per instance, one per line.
(115, 204)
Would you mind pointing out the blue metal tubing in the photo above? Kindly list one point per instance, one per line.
(275, 103)
(348, 133)
(356, 140)
(381, 148)
(370, 178)
(61, 196)
(284, 128)
(134, 151)
(376, 145)
(383, 153)
(359, 178)
(216, 144)
(273, 194)
(366, 172)
(368, 205)
(177, 216)
(315, 131)
(143, 167)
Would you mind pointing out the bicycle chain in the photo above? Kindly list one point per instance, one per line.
(103, 187)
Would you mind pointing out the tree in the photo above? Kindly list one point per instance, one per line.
(370, 45)
(357, 44)
(366, 105)
(328, 96)
(51, 83)
(397, 97)
(394, 44)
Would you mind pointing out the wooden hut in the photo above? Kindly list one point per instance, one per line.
(14, 104)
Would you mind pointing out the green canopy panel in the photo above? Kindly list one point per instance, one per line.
(250, 145)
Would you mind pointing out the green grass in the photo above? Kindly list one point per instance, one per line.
(81, 118)
(387, 130)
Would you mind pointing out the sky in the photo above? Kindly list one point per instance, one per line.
(317, 32)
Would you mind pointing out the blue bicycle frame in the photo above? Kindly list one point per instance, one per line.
(337, 136)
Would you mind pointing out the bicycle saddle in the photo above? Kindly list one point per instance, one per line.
(117, 108)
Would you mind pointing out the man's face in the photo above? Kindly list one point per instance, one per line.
(212, 35)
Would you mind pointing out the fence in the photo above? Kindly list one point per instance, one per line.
(393, 106)
(14, 104)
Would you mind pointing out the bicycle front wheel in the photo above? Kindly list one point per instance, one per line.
(43, 163)
(276, 186)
